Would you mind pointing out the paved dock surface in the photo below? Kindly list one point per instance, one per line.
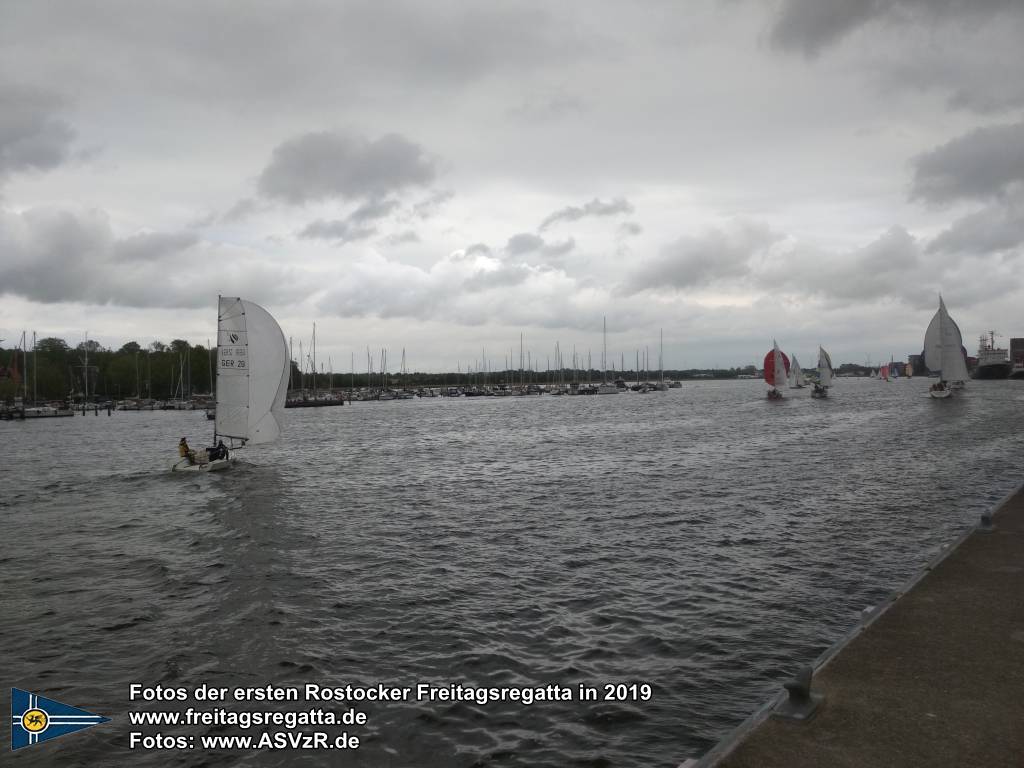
(936, 681)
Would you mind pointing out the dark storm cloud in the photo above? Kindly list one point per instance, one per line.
(325, 165)
(694, 261)
(993, 229)
(961, 68)
(809, 26)
(984, 163)
(594, 208)
(32, 135)
(53, 256)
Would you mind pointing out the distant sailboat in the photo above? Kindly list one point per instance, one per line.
(796, 376)
(776, 369)
(825, 374)
(943, 352)
(252, 381)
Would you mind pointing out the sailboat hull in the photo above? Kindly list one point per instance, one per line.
(940, 394)
(820, 395)
(206, 466)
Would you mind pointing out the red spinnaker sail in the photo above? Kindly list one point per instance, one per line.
(769, 368)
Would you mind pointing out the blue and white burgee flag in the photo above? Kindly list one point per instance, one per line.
(36, 718)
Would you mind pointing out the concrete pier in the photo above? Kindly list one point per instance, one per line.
(934, 677)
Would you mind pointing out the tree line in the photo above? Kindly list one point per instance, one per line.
(56, 371)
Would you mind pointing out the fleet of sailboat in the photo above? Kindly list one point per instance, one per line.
(252, 381)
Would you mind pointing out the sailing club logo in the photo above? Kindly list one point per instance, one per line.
(233, 337)
(36, 718)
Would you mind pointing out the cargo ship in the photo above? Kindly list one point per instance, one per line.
(1017, 358)
(993, 362)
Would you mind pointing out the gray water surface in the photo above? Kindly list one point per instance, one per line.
(702, 540)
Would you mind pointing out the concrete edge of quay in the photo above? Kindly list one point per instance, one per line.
(869, 616)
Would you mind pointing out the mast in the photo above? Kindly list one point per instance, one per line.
(217, 359)
(35, 367)
(604, 351)
(661, 353)
(942, 340)
(314, 361)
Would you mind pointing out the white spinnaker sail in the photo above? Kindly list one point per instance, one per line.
(252, 372)
(824, 368)
(943, 347)
(779, 366)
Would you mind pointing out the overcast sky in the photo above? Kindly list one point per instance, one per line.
(443, 177)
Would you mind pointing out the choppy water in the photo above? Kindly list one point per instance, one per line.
(702, 540)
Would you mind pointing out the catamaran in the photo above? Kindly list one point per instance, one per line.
(943, 352)
(776, 368)
(825, 374)
(252, 381)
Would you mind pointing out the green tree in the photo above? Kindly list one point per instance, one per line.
(52, 346)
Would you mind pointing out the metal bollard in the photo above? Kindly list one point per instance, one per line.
(801, 703)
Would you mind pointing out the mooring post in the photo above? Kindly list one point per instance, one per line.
(801, 702)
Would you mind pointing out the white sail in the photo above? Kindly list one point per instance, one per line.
(796, 376)
(943, 347)
(778, 366)
(825, 375)
(252, 372)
